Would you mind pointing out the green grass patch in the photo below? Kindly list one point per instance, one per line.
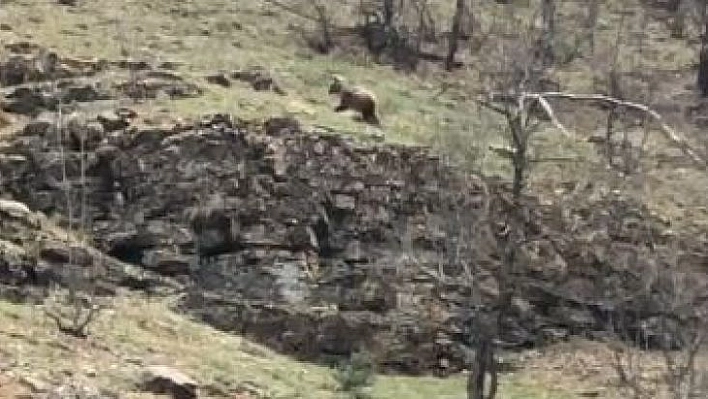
(139, 331)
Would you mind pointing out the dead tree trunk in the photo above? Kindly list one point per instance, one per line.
(454, 34)
(549, 27)
(484, 360)
(593, 11)
(520, 124)
(323, 19)
(389, 12)
(422, 27)
(703, 56)
(678, 19)
(519, 137)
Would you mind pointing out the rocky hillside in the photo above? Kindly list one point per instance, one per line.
(317, 246)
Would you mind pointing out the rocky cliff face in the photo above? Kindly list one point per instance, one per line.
(319, 246)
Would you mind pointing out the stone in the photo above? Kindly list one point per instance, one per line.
(344, 202)
(85, 93)
(219, 79)
(84, 134)
(14, 209)
(168, 381)
(259, 78)
(166, 263)
(303, 237)
(60, 253)
(6, 119)
(212, 227)
(144, 87)
(522, 307)
(15, 70)
(112, 121)
(125, 113)
(40, 126)
(170, 65)
(354, 253)
(34, 384)
(28, 101)
(22, 47)
(575, 319)
(133, 65)
(282, 125)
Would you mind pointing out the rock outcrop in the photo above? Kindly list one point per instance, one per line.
(317, 245)
(166, 380)
(34, 254)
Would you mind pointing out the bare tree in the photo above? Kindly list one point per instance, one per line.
(471, 242)
(485, 364)
(74, 313)
(389, 12)
(548, 12)
(454, 34)
(678, 18)
(702, 79)
(592, 13)
(323, 19)
(75, 307)
(424, 24)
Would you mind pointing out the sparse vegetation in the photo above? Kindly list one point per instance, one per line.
(356, 376)
(139, 331)
(72, 312)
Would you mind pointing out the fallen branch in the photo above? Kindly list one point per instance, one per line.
(493, 100)
(668, 132)
(549, 111)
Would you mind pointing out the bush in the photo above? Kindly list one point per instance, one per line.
(356, 375)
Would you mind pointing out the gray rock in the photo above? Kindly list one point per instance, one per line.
(166, 380)
(166, 263)
(59, 253)
(219, 79)
(14, 208)
(112, 121)
(344, 202)
(40, 126)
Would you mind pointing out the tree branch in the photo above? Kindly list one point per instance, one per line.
(490, 105)
(669, 133)
(549, 111)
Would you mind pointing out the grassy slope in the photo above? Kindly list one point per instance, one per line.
(246, 32)
(144, 331)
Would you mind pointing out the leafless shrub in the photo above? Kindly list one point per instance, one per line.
(72, 311)
(678, 329)
(324, 45)
(74, 306)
